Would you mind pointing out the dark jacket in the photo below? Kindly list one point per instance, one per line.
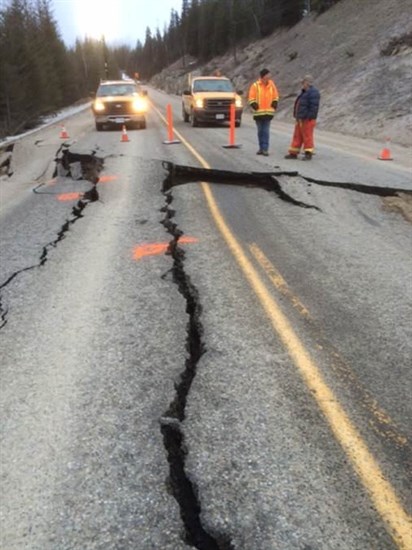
(307, 104)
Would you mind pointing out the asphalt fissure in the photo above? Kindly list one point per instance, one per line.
(77, 166)
(179, 175)
(359, 187)
(89, 196)
(182, 488)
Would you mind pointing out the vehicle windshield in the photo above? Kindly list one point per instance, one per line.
(212, 86)
(116, 89)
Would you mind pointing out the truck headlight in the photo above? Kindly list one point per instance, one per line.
(199, 103)
(139, 105)
(238, 102)
(98, 105)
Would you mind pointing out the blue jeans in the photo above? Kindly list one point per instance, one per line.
(263, 127)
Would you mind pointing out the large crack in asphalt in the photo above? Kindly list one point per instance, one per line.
(359, 187)
(90, 167)
(180, 174)
(76, 166)
(182, 487)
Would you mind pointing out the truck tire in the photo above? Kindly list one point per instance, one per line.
(185, 116)
(238, 123)
(193, 119)
(99, 126)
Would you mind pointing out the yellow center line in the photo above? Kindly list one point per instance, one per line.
(380, 417)
(185, 142)
(380, 490)
(277, 279)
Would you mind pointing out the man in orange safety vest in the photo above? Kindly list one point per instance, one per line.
(263, 99)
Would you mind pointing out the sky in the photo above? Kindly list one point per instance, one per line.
(120, 21)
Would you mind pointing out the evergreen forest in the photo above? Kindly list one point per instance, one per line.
(39, 74)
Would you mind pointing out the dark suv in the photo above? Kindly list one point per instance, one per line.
(120, 102)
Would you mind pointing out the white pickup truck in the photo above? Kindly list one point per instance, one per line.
(209, 99)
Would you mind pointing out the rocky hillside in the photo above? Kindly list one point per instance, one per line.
(360, 53)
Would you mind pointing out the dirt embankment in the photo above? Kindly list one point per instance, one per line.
(360, 53)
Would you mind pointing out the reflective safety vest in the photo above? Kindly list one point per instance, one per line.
(263, 95)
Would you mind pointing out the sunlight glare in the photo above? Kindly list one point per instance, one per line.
(97, 18)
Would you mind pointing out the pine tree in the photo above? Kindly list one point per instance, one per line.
(291, 12)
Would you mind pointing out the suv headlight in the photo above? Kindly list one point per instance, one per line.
(238, 102)
(139, 105)
(199, 103)
(98, 105)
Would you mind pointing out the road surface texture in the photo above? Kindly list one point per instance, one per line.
(203, 348)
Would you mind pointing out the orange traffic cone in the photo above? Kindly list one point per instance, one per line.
(386, 152)
(170, 133)
(232, 124)
(63, 133)
(125, 137)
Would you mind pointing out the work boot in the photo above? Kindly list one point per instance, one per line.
(265, 153)
(291, 156)
(308, 155)
(260, 152)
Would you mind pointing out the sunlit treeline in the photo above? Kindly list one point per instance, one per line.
(40, 74)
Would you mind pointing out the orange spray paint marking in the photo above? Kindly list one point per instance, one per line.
(105, 179)
(69, 196)
(188, 240)
(149, 250)
(154, 249)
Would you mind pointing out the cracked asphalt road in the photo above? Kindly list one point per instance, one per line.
(146, 400)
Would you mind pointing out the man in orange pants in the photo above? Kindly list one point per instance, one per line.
(305, 112)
